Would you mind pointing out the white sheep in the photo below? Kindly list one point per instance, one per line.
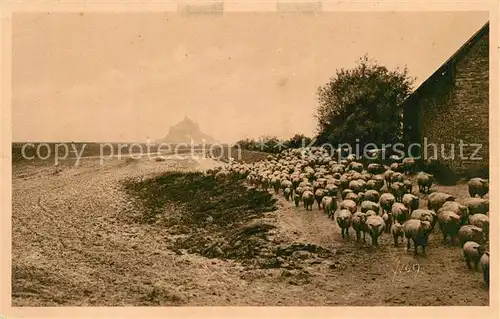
(344, 220)
(358, 223)
(470, 233)
(472, 252)
(397, 230)
(308, 199)
(329, 204)
(349, 204)
(418, 231)
(449, 224)
(375, 227)
(482, 221)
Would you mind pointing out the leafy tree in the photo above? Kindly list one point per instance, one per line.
(248, 144)
(271, 144)
(297, 141)
(363, 103)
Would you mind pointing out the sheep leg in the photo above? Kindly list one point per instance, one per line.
(476, 264)
(486, 277)
(467, 261)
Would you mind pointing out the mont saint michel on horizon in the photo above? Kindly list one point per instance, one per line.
(186, 131)
(274, 215)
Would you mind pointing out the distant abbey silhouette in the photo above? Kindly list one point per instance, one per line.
(186, 131)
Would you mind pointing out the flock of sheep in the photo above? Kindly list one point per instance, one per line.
(372, 198)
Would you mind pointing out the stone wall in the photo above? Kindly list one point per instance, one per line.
(453, 108)
(471, 99)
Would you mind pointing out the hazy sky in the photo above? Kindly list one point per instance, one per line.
(127, 77)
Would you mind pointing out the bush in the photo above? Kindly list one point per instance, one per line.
(273, 144)
(475, 171)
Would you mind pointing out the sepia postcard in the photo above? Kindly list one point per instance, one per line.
(338, 157)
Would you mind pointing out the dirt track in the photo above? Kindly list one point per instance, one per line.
(70, 248)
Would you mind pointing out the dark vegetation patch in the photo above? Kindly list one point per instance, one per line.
(214, 218)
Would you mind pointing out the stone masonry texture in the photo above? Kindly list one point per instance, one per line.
(452, 107)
